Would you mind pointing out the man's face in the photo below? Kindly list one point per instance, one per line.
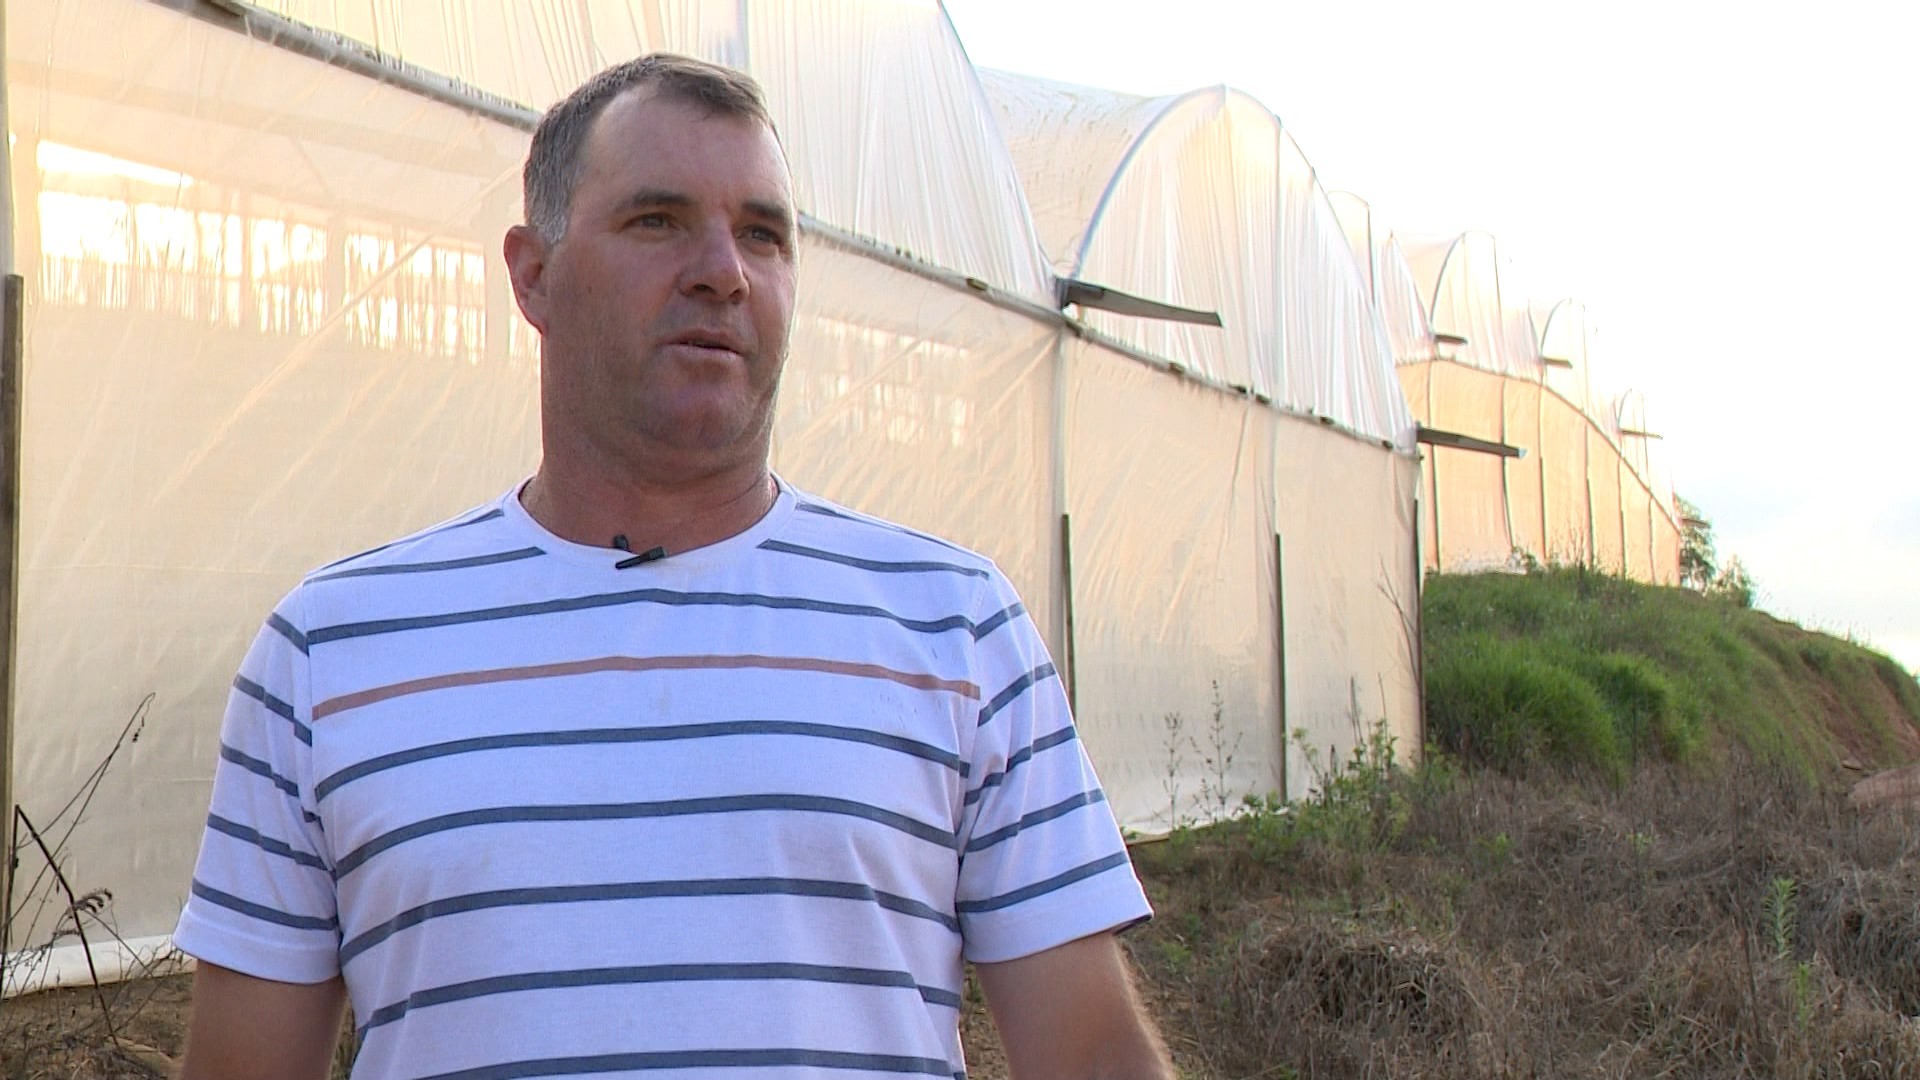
(665, 308)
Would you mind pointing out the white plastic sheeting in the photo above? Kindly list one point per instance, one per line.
(1346, 520)
(1067, 162)
(914, 401)
(1640, 445)
(876, 102)
(1573, 498)
(1390, 282)
(1566, 344)
(1589, 487)
(1163, 618)
(1183, 651)
(1203, 200)
(1460, 277)
(267, 324)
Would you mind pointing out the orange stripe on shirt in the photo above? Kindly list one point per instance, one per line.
(376, 694)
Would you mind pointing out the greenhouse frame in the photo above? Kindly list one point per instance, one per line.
(1121, 345)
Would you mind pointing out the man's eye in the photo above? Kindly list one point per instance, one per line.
(651, 221)
(763, 234)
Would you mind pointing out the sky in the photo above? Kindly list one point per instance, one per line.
(1733, 190)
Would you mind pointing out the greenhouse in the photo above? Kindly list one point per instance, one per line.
(1117, 344)
(1553, 467)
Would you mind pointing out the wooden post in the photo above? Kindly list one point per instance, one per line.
(1433, 499)
(1069, 672)
(1280, 653)
(12, 301)
(1419, 632)
(1540, 435)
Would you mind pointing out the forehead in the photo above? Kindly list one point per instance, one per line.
(645, 140)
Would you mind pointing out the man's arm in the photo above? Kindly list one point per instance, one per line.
(256, 1029)
(1071, 1013)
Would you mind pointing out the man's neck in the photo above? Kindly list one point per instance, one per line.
(677, 516)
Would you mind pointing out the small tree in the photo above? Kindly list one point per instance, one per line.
(1733, 583)
(1698, 564)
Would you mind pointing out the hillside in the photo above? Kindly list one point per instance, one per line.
(1584, 669)
(1628, 853)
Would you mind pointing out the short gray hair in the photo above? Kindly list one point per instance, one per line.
(553, 164)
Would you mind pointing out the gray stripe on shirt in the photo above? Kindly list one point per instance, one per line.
(653, 973)
(1019, 686)
(616, 736)
(493, 559)
(874, 523)
(703, 1059)
(265, 843)
(289, 631)
(644, 890)
(1038, 817)
(488, 515)
(261, 911)
(998, 619)
(274, 705)
(1046, 742)
(882, 566)
(259, 768)
(326, 634)
(727, 804)
(1041, 888)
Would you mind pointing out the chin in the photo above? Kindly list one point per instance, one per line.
(704, 431)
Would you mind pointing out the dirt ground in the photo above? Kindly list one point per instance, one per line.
(1890, 787)
(1680, 926)
(58, 1035)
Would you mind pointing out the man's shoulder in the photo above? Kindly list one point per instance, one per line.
(825, 528)
(475, 537)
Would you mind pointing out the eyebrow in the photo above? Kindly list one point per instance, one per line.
(761, 208)
(652, 197)
(773, 211)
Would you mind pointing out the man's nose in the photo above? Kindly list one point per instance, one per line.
(716, 269)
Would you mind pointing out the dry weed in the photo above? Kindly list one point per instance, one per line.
(1724, 923)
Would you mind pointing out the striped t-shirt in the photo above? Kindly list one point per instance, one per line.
(741, 810)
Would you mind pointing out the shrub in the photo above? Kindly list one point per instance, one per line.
(1504, 704)
(1647, 709)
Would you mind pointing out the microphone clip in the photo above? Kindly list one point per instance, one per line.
(653, 554)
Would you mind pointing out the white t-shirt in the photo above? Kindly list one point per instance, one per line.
(739, 810)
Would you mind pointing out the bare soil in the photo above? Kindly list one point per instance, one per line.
(1888, 787)
(1734, 925)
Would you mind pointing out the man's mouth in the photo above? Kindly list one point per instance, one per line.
(711, 341)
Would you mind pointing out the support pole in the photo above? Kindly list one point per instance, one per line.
(1071, 672)
(1506, 471)
(1540, 433)
(1280, 652)
(12, 302)
(1620, 498)
(12, 296)
(1433, 498)
(1419, 633)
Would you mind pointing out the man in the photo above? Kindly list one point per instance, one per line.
(654, 762)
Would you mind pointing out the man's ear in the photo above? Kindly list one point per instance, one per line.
(526, 255)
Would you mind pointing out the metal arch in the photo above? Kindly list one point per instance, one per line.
(1373, 282)
(1439, 278)
(1564, 304)
(1221, 91)
(338, 51)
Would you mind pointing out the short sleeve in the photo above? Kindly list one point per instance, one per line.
(262, 900)
(1042, 861)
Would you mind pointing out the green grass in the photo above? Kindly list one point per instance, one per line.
(1577, 669)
